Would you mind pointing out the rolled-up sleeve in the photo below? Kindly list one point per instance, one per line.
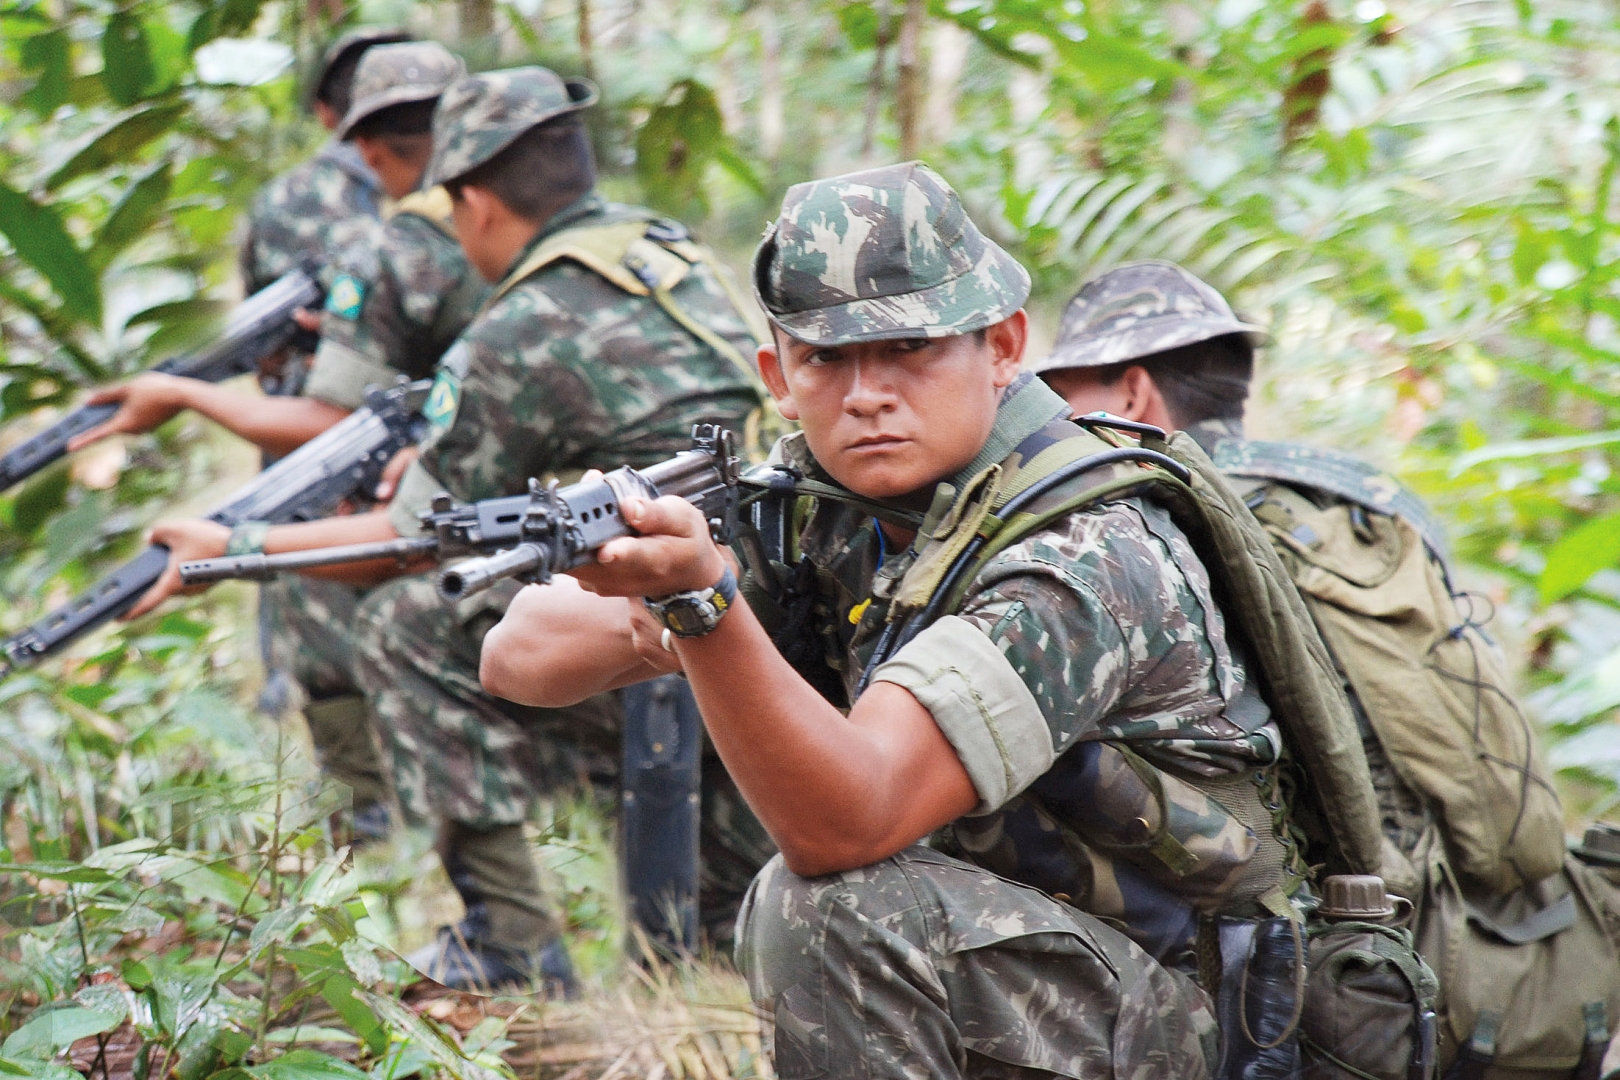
(980, 703)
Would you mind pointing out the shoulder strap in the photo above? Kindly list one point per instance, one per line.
(432, 206)
(636, 256)
(1337, 474)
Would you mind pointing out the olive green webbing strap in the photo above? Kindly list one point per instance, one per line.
(1002, 534)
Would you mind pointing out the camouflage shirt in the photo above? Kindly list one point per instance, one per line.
(393, 308)
(327, 204)
(1090, 689)
(565, 371)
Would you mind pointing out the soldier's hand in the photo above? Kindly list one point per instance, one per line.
(144, 403)
(187, 539)
(672, 553)
(307, 320)
(648, 635)
(388, 483)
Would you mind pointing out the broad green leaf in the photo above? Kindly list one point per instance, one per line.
(860, 24)
(675, 146)
(427, 1038)
(132, 216)
(42, 1070)
(1580, 553)
(340, 992)
(117, 141)
(1533, 448)
(50, 54)
(37, 234)
(306, 1065)
(46, 1034)
(126, 58)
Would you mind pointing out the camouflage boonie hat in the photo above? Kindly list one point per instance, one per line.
(879, 255)
(354, 40)
(482, 115)
(1137, 310)
(398, 75)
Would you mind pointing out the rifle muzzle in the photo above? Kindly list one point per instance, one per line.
(475, 575)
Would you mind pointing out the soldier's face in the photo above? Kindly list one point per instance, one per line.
(889, 418)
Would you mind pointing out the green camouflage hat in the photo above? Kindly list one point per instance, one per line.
(398, 75)
(483, 114)
(1137, 310)
(879, 255)
(354, 41)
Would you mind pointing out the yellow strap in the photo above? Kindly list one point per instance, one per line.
(432, 205)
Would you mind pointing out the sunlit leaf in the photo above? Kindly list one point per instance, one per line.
(117, 142)
(126, 58)
(37, 234)
(133, 214)
(58, 1029)
(306, 1065)
(1579, 554)
(51, 55)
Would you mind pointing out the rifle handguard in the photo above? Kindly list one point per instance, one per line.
(262, 567)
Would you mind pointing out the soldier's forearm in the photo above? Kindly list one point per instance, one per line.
(558, 645)
(835, 792)
(277, 425)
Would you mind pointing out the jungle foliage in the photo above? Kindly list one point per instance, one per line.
(1418, 196)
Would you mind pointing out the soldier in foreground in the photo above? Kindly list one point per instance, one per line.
(1045, 733)
(608, 336)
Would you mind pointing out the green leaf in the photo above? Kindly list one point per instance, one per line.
(1528, 448)
(136, 974)
(306, 1065)
(118, 141)
(56, 1030)
(126, 58)
(37, 233)
(675, 146)
(132, 216)
(1582, 552)
(428, 1038)
(340, 993)
(860, 24)
(50, 54)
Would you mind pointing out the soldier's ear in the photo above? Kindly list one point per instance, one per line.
(770, 370)
(1006, 340)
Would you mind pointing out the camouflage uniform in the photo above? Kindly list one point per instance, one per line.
(563, 372)
(1121, 752)
(324, 205)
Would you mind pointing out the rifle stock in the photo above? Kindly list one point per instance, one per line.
(259, 327)
(343, 462)
(528, 537)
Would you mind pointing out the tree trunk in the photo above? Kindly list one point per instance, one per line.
(874, 86)
(908, 80)
(475, 19)
(589, 63)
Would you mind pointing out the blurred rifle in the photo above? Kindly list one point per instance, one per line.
(529, 537)
(258, 328)
(344, 462)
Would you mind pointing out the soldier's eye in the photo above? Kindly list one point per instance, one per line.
(818, 357)
(911, 344)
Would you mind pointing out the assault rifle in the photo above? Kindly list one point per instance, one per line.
(259, 327)
(528, 537)
(343, 462)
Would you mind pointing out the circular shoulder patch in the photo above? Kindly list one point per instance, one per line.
(346, 297)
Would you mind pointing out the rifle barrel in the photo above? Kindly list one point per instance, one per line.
(475, 575)
(261, 567)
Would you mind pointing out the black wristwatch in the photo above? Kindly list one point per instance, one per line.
(697, 611)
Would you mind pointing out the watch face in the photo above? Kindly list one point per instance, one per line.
(690, 617)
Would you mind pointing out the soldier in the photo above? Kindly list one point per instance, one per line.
(1083, 737)
(304, 216)
(609, 336)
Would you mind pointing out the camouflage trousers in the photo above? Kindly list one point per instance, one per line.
(459, 754)
(924, 965)
(308, 625)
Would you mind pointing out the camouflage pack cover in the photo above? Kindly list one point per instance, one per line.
(481, 115)
(1137, 310)
(399, 74)
(881, 255)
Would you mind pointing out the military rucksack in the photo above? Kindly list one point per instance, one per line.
(1523, 938)
(1371, 568)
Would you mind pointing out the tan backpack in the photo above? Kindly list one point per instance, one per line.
(1434, 688)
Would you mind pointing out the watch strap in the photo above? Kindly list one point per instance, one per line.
(247, 538)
